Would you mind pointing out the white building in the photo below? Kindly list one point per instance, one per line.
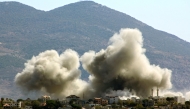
(19, 104)
(162, 100)
(11, 104)
(112, 99)
(180, 99)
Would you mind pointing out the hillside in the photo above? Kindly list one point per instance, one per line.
(82, 26)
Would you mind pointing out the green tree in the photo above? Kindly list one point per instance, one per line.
(2, 99)
(140, 106)
(74, 105)
(97, 107)
(27, 103)
(40, 100)
(35, 104)
(187, 103)
(145, 102)
(127, 102)
(187, 106)
(90, 100)
(1, 105)
(120, 103)
(133, 104)
(58, 104)
(50, 104)
(170, 99)
(19, 100)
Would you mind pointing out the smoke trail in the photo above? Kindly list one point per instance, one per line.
(53, 74)
(123, 64)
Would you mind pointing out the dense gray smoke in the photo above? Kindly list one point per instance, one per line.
(53, 74)
(123, 64)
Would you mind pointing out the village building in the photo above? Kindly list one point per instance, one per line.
(45, 98)
(9, 104)
(100, 101)
(180, 99)
(72, 97)
(112, 99)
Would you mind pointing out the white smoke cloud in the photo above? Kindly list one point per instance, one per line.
(52, 73)
(123, 64)
(171, 94)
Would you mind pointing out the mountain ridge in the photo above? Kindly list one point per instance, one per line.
(83, 29)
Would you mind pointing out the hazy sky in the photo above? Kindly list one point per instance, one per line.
(172, 16)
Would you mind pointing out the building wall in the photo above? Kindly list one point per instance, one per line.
(97, 100)
(180, 99)
(112, 99)
(162, 100)
(19, 104)
(104, 102)
(72, 97)
(11, 104)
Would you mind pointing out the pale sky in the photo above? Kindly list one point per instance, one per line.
(172, 16)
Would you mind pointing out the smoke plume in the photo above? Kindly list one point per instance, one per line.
(123, 64)
(53, 74)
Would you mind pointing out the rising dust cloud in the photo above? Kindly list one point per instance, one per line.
(53, 74)
(122, 65)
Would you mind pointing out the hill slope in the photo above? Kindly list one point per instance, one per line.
(82, 26)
